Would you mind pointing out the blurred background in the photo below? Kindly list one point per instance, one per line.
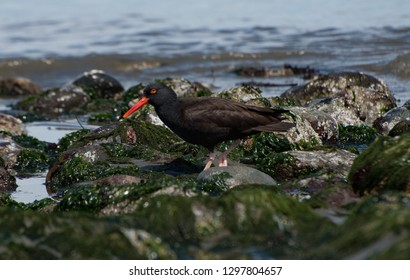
(54, 41)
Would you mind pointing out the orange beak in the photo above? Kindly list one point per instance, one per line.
(142, 102)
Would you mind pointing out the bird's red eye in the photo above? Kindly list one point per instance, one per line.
(153, 91)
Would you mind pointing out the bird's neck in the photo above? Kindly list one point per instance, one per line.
(169, 112)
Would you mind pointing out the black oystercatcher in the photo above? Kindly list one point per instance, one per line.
(208, 121)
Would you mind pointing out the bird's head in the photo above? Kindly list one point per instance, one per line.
(155, 94)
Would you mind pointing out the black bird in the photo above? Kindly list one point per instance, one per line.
(208, 121)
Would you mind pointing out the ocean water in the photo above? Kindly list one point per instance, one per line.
(54, 41)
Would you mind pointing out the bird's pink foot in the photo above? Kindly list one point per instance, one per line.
(223, 162)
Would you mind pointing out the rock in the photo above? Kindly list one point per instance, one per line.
(294, 164)
(355, 136)
(17, 87)
(11, 124)
(9, 150)
(351, 98)
(118, 180)
(55, 102)
(377, 228)
(400, 128)
(386, 123)
(242, 94)
(400, 66)
(7, 181)
(94, 91)
(34, 235)
(383, 166)
(287, 70)
(98, 84)
(244, 217)
(185, 88)
(106, 151)
(238, 175)
(303, 135)
(322, 123)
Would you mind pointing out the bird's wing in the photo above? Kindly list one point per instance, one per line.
(225, 115)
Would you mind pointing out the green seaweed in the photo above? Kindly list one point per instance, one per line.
(356, 135)
(31, 142)
(31, 160)
(70, 139)
(384, 165)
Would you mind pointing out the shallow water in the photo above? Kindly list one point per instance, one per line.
(53, 42)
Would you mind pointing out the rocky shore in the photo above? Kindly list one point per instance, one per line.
(336, 186)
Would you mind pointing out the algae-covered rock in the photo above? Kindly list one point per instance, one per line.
(9, 150)
(7, 181)
(238, 175)
(322, 123)
(105, 198)
(351, 98)
(93, 91)
(17, 87)
(55, 102)
(185, 88)
(11, 124)
(383, 166)
(352, 136)
(378, 228)
(34, 235)
(248, 218)
(98, 84)
(293, 164)
(241, 94)
(400, 128)
(389, 120)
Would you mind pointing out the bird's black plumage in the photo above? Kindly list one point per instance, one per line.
(208, 121)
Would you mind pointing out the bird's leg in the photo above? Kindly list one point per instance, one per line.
(210, 161)
(223, 158)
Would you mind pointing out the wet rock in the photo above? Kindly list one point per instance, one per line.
(98, 84)
(351, 98)
(242, 94)
(245, 217)
(55, 102)
(94, 91)
(400, 128)
(386, 123)
(237, 175)
(383, 166)
(287, 70)
(118, 180)
(24, 154)
(16, 87)
(322, 123)
(185, 88)
(34, 235)
(400, 66)
(333, 195)
(31, 161)
(7, 181)
(106, 151)
(303, 135)
(11, 124)
(9, 150)
(293, 164)
(354, 136)
(376, 229)
(102, 197)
